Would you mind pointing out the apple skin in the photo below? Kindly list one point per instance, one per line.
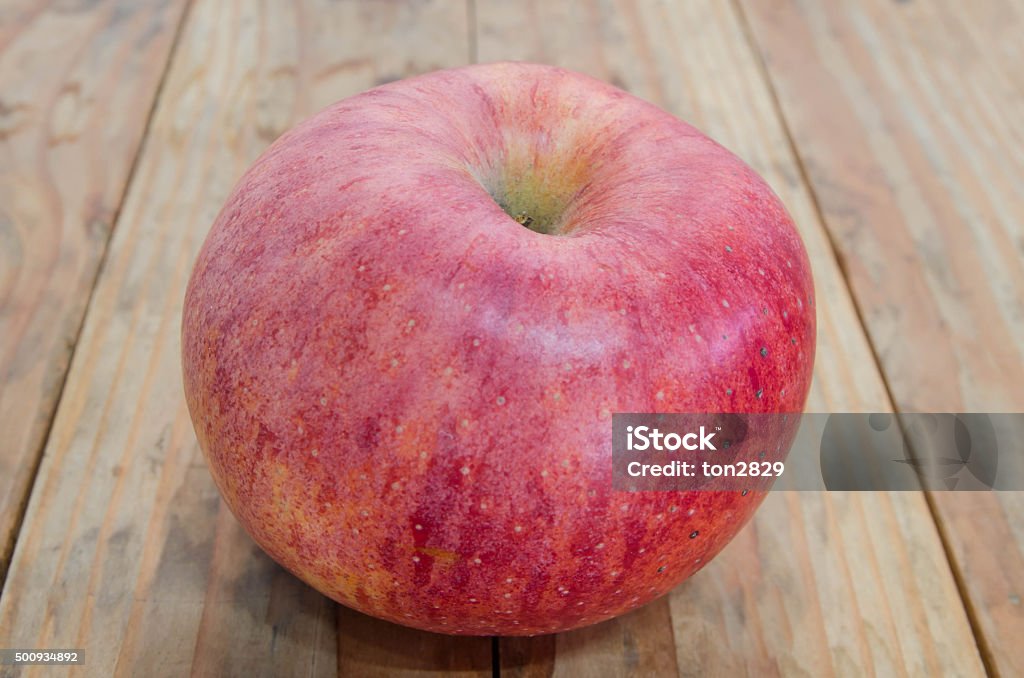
(404, 395)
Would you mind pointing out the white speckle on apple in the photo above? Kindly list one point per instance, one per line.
(660, 395)
(417, 526)
(396, 485)
(476, 342)
(625, 364)
(725, 303)
(386, 288)
(501, 400)
(599, 546)
(415, 559)
(464, 470)
(518, 528)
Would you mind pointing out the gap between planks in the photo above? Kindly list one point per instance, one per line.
(7, 549)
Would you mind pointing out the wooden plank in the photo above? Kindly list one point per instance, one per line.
(907, 120)
(372, 648)
(818, 584)
(127, 550)
(77, 84)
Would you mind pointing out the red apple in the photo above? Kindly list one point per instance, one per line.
(409, 326)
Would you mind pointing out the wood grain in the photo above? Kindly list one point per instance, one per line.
(906, 117)
(818, 584)
(370, 648)
(127, 549)
(77, 83)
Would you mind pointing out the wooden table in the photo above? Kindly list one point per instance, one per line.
(891, 130)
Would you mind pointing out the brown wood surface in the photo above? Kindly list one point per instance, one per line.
(825, 584)
(77, 83)
(907, 119)
(887, 128)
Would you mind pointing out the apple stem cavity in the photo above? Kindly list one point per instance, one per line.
(536, 210)
(536, 194)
